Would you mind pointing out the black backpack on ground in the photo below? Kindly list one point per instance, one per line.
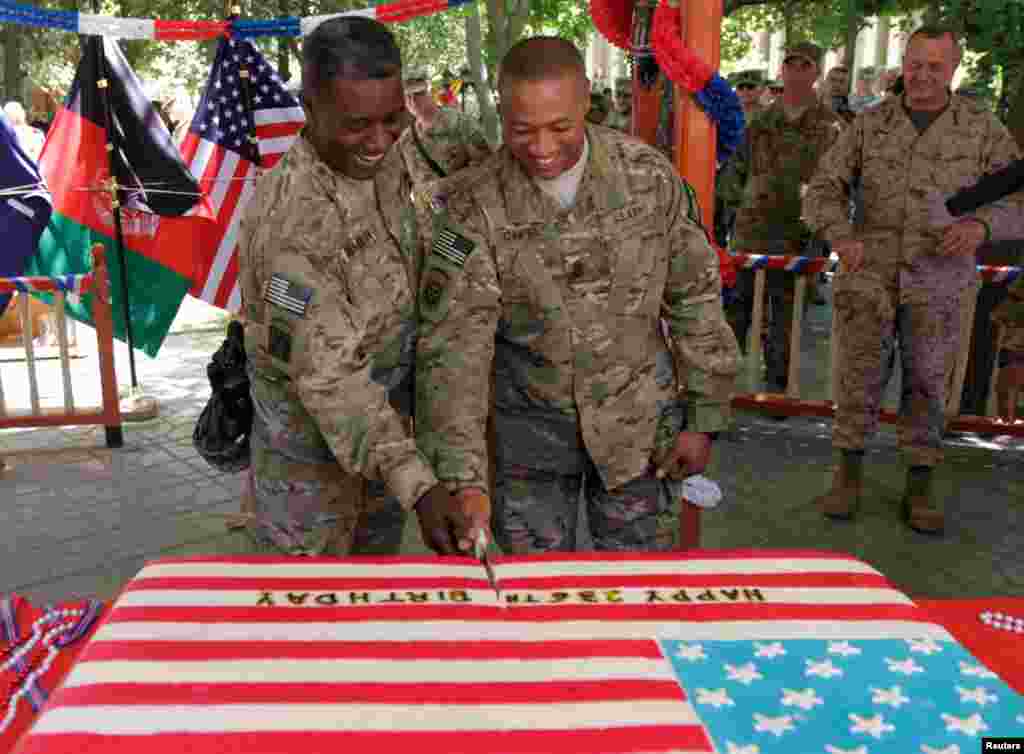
(222, 433)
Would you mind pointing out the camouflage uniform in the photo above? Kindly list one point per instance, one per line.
(904, 290)
(563, 307)
(328, 270)
(731, 181)
(781, 158)
(453, 141)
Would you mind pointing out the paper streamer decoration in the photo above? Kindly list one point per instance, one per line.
(169, 31)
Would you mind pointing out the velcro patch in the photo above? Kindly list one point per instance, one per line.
(434, 284)
(279, 343)
(452, 247)
(287, 295)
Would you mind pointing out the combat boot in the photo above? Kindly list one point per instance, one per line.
(843, 499)
(920, 510)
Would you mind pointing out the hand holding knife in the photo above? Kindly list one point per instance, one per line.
(480, 553)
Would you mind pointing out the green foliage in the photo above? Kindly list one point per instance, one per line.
(435, 42)
(565, 18)
(995, 30)
(993, 27)
(824, 22)
(736, 42)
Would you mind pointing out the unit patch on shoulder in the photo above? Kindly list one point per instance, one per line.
(452, 247)
(288, 296)
(434, 285)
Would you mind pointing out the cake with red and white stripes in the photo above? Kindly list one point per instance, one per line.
(750, 652)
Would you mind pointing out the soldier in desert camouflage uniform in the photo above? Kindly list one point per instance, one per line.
(552, 269)
(328, 252)
(784, 144)
(901, 278)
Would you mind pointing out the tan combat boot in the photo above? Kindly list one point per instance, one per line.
(843, 499)
(920, 510)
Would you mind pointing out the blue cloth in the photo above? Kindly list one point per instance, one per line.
(22, 217)
(723, 106)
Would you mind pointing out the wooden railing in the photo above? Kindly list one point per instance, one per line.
(109, 413)
(792, 404)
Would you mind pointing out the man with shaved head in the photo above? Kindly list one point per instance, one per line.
(551, 269)
(328, 269)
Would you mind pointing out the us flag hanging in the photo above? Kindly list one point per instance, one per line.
(746, 652)
(221, 156)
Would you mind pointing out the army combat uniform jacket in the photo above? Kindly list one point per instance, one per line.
(564, 306)
(780, 157)
(453, 141)
(328, 269)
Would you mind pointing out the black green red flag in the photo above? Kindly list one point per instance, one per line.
(161, 213)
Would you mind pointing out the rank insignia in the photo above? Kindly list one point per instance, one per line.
(288, 296)
(452, 247)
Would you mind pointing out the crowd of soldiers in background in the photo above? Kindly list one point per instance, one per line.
(762, 210)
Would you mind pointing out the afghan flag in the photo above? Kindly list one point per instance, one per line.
(161, 207)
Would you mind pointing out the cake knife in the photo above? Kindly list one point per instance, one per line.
(480, 552)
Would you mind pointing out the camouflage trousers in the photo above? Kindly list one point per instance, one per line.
(779, 290)
(876, 312)
(538, 511)
(320, 511)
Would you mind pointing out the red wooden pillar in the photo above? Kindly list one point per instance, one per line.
(695, 138)
(695, 132)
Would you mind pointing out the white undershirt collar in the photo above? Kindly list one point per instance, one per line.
(564, 188)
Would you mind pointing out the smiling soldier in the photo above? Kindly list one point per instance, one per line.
(327, 251)
(552, 269)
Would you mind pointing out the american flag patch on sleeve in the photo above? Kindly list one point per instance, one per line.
(287, 295)
(452, 247)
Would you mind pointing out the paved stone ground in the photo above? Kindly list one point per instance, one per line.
(76, 518)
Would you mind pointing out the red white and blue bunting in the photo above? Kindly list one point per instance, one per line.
(161, 30)
(813, 265)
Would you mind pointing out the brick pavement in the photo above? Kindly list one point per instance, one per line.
(77, 519)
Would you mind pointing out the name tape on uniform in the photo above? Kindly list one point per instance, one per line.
(452, 247)
(287, 295)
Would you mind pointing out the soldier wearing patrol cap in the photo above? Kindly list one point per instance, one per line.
(327, 250)
(621, 116)
(749, 87)
(786, 141)
(553, 267)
